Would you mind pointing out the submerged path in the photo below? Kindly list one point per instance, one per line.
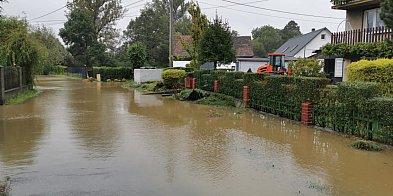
(81, 138)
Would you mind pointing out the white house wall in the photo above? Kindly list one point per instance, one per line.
(315, 44)
(181, 63)
(244, 66)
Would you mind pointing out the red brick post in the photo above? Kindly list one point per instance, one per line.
(216, 86)
(307, 109)
(246, 94)
(193, 83)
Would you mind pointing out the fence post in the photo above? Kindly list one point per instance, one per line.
(216, 86)
(307, 109)
(246, 95)
(2, 86)
(20, 78)
(186, 82)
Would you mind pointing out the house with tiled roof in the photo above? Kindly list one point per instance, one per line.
(242, 46)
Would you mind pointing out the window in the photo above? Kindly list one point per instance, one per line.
(372, 18)
(323, 36)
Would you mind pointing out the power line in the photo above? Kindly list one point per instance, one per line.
(224, 6)
(255, 13)
(48, 13)
(281, 11)
(128, 5)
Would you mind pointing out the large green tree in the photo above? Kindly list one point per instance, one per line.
(387, 12)
(1, 8)
(104, 14)
(267, 39)
(55, 52)
(267, 36)
(79, 34)
(292, 29)
(151, 28)
(216, 44)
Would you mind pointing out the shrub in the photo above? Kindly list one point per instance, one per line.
(172, 78)
(360, 50)
(380, 71)
(306, 67)
(366, 145)
(137, 54)
(381, 110)
(57, 70)
(112, 73)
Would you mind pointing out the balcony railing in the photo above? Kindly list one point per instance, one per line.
(377, 34)
(342, 2)
(351, 4)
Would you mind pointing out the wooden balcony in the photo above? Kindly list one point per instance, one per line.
(354, 4)
(378, 34)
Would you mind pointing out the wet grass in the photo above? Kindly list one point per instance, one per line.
(147, 86)
(367, 146)
(218, 100)
(5, 187)
(23, 97)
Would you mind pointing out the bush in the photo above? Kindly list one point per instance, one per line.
(381, 111)
(172, 78)
(112, 73)
(137, 55)
(380, 71)
(360, 50)
(306, 67)
(366, 145)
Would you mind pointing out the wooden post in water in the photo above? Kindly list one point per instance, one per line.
(2, 86)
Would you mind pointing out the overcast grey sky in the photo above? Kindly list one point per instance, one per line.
(241, 18)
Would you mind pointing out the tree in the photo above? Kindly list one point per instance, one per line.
(55, 51)
(79, 34)
(267, 36)
(151, 28)
(199, 24)
(387, 12)
(1, 8)
(216, 44)
(18, 47)
(103, 14)
(290, 30)
(137, 54)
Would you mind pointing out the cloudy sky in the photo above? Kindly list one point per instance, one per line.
(242, 15)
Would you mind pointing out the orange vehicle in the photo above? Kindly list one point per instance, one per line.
(275, 67)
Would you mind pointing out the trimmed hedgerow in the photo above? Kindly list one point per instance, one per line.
(111, 73)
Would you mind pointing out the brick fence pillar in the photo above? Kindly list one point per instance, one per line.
(307, 109)
(216, 86)
(246, 94)
(193, 83)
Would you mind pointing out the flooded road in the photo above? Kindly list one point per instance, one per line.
(80, 138)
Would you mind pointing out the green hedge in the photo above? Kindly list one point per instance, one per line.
(360, 50)
(172, 78)
(113, 73)
(380, 71)
(381, 109)
(57, 70)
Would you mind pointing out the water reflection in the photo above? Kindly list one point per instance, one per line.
(20, 132)
(94, 119)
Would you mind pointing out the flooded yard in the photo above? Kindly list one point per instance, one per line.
(81, 138)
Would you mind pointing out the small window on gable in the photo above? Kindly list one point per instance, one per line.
(323, 36)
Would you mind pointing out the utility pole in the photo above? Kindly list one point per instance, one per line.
(170, 33)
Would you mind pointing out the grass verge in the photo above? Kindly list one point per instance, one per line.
(366, 145)
(23, 97)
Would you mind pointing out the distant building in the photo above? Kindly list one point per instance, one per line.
(303, 46)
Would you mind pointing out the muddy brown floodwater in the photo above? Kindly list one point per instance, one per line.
(81, 138)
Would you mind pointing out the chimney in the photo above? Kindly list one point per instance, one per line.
(313, 29)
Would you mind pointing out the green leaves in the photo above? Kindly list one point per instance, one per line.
(138, 55)
(216, 44)
(380, 71)
(306, 67)
(360, 50)
(387, 12)
(172, 78)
